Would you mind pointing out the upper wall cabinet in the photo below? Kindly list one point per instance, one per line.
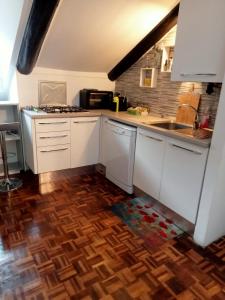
(200, 41)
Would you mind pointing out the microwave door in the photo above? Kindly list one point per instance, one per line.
(95, 102)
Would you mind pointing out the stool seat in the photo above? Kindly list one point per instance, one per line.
(7, 184)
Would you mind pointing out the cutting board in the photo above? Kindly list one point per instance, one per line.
(187, 114)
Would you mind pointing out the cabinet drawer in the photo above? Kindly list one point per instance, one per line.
(56, 124)
(53, 138)
(53, 158)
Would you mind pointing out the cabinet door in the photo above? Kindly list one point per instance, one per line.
(182, 177)
(149, 155)
(103, 141)
(84, 141)
(200, 44)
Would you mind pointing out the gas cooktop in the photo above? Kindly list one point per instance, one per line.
(56, 109)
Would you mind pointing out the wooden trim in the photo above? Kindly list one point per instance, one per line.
(40, 17)
(145, 44)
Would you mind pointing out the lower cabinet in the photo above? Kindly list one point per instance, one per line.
(84, 141)
(150, 148)
(53, 144)
(170, 171)
(182, 177)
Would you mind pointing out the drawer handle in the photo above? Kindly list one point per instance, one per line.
(50, 123)
(198, 74)
(54, 150)
(120, 133)
(151, 137)
(79, 122)
(52, 137)
(186, 149)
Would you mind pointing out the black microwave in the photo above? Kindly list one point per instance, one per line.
(95, 99)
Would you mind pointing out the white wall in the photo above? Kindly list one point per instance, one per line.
(211, 216)
(10, 12)
(28, 84)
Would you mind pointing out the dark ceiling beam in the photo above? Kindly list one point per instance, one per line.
(41, 14)
(145, 44)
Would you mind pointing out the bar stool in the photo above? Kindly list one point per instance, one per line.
(7, 184)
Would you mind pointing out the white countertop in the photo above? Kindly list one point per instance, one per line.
(137, 121)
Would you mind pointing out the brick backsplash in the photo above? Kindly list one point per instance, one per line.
(164, 98)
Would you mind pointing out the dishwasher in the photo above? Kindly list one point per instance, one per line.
(120, 152)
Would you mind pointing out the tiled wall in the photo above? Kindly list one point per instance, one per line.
(164, 98)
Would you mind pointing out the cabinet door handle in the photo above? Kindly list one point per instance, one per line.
(151, 137)
(186, 149)
(50, 123)
(197, 74)
(79, 122)
(52, 137)
(54, 150)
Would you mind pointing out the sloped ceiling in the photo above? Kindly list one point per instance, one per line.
(95, 35)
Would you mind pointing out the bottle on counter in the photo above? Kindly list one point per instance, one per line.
(204, 123)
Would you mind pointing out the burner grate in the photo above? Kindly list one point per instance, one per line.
(57, 109)
(62, 109)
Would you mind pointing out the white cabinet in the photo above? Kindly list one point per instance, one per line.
(170, 171)
(53, 144)
(182, 177)
(150, 148)
(84, 141)
(200, 43)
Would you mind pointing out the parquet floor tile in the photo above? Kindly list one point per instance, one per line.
(59, 240)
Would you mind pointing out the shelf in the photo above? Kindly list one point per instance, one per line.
(14, 168)
(9, 113)
(12, 137)
(148, 77)
(167, 59)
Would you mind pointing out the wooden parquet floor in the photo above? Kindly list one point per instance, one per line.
(60, 240)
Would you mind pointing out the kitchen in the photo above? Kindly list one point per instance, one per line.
(208, 218)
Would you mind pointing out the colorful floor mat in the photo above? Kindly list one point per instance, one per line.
(146, 222)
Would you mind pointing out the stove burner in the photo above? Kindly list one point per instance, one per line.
(57, 109)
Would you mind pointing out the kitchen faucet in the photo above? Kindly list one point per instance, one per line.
(196, 121)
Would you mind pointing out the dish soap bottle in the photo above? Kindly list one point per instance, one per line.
(116, 100)
(205, 119)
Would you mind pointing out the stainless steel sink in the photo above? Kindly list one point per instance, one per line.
(171, 125)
